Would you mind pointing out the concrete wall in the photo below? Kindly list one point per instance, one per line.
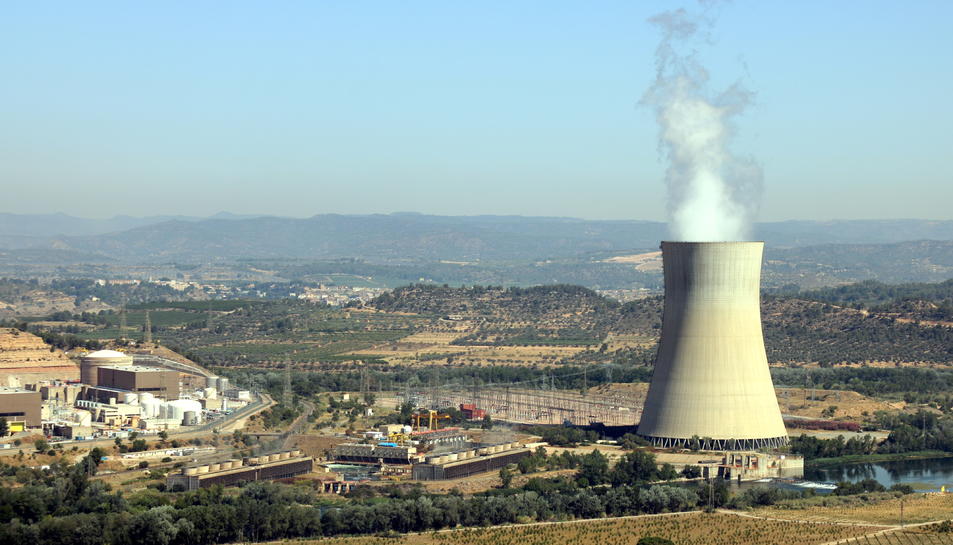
(711, 376)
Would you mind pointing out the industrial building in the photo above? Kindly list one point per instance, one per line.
(162, 383)
(21, 408)
(90, 363)
(375, 454)
(281, 465)
(712, 388)
(455, 465)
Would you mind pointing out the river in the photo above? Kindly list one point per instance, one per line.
(922, 475)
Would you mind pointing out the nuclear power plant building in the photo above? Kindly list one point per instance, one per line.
(711, 383)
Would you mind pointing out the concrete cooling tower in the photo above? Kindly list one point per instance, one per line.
(711, 377)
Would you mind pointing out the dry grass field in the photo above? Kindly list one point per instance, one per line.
(850, 405)
(683, 529)
(916, 508)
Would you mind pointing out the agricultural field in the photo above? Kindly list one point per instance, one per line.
(877, 509)
(683, 529)
(906, 537)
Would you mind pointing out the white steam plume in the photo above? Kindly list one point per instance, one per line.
(712, 194)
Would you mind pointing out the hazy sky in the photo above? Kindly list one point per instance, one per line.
(458, 107)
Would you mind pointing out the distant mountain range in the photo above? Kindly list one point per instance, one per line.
(404, 237)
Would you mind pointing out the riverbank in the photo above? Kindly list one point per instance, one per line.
(876, 458)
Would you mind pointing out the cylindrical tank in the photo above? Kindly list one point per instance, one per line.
(407, 430)
(202, 469)
(253, 461)
(130, 398)
(212, 468)
(515, 444)
(191, 471)
(149, 407)
(453, 457)
(210, 393)
(238, 463)
(295, 453)
(176, 409)
(226, 465)
(711, 374)
(284, 456)
(483, 451)
(90, 363)
(190, 418)
(221, 384)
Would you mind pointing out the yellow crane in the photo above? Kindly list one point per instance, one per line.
(432, 418)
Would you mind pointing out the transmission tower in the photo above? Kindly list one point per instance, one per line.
(286, 391)
(122, 322)
(147, 330)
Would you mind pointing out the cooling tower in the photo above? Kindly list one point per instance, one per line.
(711, 377)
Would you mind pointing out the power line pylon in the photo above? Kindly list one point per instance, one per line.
(286, 390)
(147, 330)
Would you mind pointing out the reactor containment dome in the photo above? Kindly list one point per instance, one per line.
(711, 388)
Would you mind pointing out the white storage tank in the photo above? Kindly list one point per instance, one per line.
(226, 465)
(453, 457)
(221, 384)
(149, 407)
(130, 398)
(176, 409)
(210, 393)
(212, 468)
(238, 463)
(202, 470)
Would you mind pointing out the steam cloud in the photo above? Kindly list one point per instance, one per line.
(712, 194)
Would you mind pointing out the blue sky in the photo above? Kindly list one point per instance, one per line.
(301, 108)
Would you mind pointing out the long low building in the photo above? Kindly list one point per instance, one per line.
(455, 465)
(281, 465)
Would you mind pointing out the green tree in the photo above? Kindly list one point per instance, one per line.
(41, 445)
(593, 469)
(4, 427)
(506, 477)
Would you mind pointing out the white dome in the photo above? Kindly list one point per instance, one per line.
(105, 354)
